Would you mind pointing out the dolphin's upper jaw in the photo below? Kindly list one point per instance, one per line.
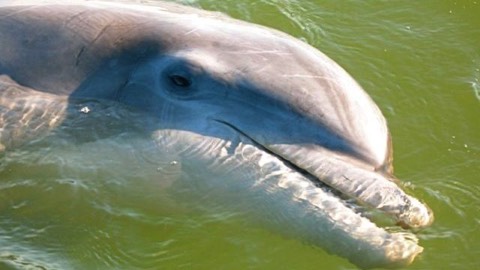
(417, 216)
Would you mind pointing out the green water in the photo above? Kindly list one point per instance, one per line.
(419, 60)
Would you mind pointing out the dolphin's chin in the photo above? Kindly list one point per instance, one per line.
(244, 175)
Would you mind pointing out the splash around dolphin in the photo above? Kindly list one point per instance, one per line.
(225, 97)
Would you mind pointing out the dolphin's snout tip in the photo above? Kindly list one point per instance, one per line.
(403, 252)
(398, 251)
(417, 216)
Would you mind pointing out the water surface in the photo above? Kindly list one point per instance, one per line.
(419, 60)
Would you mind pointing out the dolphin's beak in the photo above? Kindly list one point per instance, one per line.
(282, 195)
(357, 180)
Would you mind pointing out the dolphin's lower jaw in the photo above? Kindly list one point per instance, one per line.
(325, 220)
(282, 198)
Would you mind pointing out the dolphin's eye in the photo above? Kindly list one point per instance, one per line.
(180, 81)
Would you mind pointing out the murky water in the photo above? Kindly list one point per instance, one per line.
(76, 207)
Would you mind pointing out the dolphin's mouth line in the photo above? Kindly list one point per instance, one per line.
(265, 149)
(349, 202)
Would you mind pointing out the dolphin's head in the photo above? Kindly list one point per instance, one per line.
(237, 93)
(285, 96)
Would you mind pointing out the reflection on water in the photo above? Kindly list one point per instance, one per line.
(475, 83)
(80, 207)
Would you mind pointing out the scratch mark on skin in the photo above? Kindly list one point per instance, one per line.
(104, 29)
(17, 12)
(72, 18)
(77, 58)
(191, 32)
(260, 52)
(303, 76)
(82, 50)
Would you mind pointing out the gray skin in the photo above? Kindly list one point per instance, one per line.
(225, 95)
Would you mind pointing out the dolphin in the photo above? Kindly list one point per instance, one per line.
(267, 120)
